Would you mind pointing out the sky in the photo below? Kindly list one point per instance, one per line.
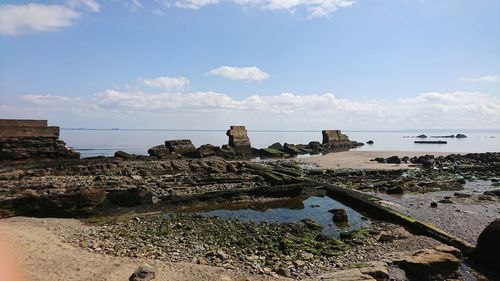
(266, 64)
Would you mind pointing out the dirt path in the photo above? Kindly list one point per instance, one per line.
(42, 254)
(361, 159)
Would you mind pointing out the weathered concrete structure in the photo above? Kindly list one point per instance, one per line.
(333, 136)
(334, 140)
(238, 139)
(31, 139)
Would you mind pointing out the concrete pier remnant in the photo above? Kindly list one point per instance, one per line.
(334, 140)
(238, 139)
(32, 139)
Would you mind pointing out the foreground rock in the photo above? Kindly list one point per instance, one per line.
(424, 264)
(488, 246)
(144, 272)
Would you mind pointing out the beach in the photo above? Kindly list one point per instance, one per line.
(362, 159)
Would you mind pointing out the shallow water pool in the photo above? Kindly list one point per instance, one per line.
(314, 208)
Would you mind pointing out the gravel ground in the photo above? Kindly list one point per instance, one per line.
(290, 250)
(462, 217)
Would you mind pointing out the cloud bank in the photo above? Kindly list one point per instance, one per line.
(282, 111)
(33, 17)
(485, 78)
(240, 73)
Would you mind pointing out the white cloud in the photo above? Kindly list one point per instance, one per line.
(315, 8)
(33, 17)
(240, 73)
(91, 5)
(20, 19)
(167, 83)
(485, 78)
(292, 111)
(194, 4)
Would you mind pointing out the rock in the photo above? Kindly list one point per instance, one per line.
(434, 204)
(159, 151)
(376, 269)
(450, 250)
(393, 160)
(306, 256)
(270, 152)
(460, 136)
(283, 271)
(322, 237)
(446, 201)
(276, 145)
(292, 149)
(93, 196)
(395, 190)
(487, 251)
(312, 224)
(339, 216)
(461, 195)
(379, 160)
(370, 142)
(346, 275)
(422, 136)
(206, 150)
(495, 192)
(144, 272)
(179, 146)
(405, 159)
(425, 263)
(315, 146)
(124, 155)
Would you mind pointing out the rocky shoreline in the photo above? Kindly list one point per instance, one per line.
(138, 206)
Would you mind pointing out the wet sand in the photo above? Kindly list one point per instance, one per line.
(361, 159)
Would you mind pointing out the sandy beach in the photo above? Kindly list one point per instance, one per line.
(361, 159)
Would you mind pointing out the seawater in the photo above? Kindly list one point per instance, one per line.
(92, 142)
(315, 208)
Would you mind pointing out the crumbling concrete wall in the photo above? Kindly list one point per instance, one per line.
(238, 139)
(334, 140)
(32, 139)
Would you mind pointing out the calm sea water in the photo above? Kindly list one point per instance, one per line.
(106, 142)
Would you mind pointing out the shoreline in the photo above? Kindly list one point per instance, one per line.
(361, 159)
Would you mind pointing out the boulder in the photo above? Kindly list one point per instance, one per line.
(395, 190)
(422, 136)
(292, 149)
(315, 146)
(339, 216)
(370, 142)
(425, 263)
(179, 146)
(144, 272)
(270, 152)
(276, 145)
(460, 136)
(393, 160)
(354, 274)
(159, 151)
(124, 155)
(488, 246)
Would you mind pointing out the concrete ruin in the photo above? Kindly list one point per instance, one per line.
(238, 139)
(32, 139)
(334, 140)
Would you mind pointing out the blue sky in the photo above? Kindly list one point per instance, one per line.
(269, 64)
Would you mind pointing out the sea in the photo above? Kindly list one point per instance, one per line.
(105, 142)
